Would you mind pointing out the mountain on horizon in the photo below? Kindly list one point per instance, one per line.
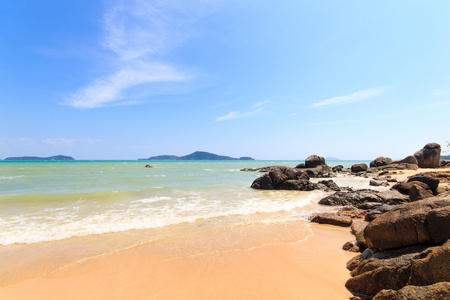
(198, 155)
(56, 157)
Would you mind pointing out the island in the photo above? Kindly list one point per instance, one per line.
(56, 157)
(198, 155)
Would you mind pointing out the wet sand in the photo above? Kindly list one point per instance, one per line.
(290, 260)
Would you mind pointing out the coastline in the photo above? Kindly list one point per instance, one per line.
(268, 261)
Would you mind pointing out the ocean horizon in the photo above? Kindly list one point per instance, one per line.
(53, 200)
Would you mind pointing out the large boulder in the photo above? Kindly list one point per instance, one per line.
(380, 161)
(429, 156)
(356, 168)
(413, 223)
(314, 161)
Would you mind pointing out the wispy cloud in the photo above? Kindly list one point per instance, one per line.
(139, 33)
(351, 98)
(257, 107)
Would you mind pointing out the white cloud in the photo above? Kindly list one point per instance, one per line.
(258, 107)
(139, 33)
(351, 98)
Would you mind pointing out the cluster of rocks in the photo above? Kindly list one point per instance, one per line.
(298, 178)
(404, 237)
(286, 178)
(407, 253)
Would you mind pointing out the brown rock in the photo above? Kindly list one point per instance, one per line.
(432, 182)
(351, 247)
(417, 192)
(429, 155)
(404, 187)
(380, 161)
(356, 168)
(431, 266)
(413, 223)
(332, 219)
(314, 161)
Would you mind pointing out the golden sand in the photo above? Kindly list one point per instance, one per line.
(291, 260)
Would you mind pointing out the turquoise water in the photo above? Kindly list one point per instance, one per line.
(43, 201)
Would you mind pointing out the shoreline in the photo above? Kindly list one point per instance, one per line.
(266, 261)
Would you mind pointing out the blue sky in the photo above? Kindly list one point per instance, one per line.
(133, 79)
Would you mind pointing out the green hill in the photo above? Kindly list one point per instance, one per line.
(198, 155)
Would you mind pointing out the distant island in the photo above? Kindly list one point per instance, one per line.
(56, 157)
(198, 155)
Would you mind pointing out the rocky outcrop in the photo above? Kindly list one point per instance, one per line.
(314, 161)
(286, 178)
(373, 272)
(429, 156)
(380, 161)
(409, 224)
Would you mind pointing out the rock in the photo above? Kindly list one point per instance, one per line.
(369, 205)
(298, 185)
(337, 168)
(412, 223)
(373, 182)
(283, 178)
(374, 271)
(407, 160)
(300, 166)
(319, 171)
(148, 166)
(417, 192)
(429, 155)
(437, 291)
(432, 182)
(332, 219)
(431, 266)
(263, 183)
(356, 168)
(314, 161)
(380, 161)
(351, 246)
(330, 184)
(359, 197)
(404, 187)
(358, 227)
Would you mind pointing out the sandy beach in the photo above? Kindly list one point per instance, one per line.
(294, 260)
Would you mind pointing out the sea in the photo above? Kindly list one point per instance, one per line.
(57, 214)
(44, 201)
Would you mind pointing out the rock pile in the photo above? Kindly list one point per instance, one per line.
(405, 242)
